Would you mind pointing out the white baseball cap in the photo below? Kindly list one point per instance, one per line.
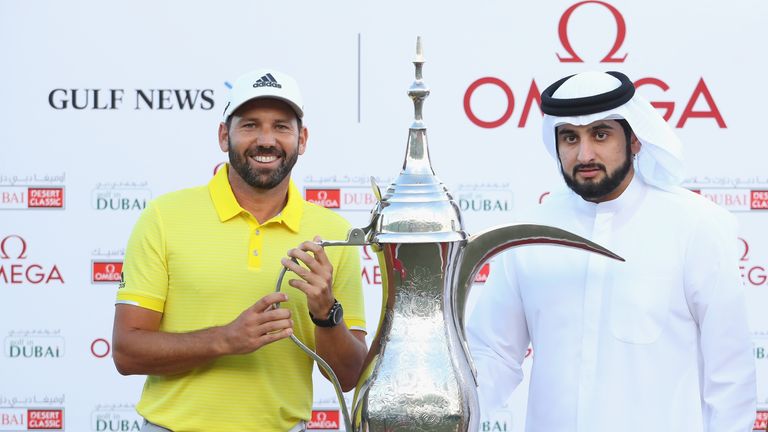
(264, 83)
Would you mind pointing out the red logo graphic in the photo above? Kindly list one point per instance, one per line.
(482, 275)
(621, 33)
(759, 200)
(45, 419)
(324, 419)
(328, 198)
(46, 197)
(761, 421)
(106, 271)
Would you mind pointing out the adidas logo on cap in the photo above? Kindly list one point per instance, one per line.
(267, 81)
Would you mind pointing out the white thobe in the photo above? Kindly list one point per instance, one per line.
(657, 343)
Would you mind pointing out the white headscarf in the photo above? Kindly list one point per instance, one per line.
(659, 162)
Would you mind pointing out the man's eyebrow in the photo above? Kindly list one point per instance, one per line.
(602, 126)
(562, 130)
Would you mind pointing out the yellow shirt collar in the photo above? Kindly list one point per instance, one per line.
(227, 206)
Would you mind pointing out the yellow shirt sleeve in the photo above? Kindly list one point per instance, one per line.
(145, 273)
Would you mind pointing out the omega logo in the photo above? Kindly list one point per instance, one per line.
(4, 252)
(621, 33)
(754, 275)
(20, 273)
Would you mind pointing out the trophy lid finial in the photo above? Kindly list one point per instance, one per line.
(417, 207)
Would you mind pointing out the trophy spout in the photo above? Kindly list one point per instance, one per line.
(486, 244)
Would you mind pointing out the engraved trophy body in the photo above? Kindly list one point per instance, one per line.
(418, 375)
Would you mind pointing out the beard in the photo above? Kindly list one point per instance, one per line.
(262, 178)
(590, 189)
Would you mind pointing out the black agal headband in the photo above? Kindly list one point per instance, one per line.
(589, 104)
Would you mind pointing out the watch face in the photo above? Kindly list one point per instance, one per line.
(338, 314)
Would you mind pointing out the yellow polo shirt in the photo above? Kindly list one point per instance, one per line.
(198, 258)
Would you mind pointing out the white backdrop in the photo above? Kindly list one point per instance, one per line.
(106, 105)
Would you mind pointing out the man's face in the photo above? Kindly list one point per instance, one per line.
(596, 159)
(264, 142)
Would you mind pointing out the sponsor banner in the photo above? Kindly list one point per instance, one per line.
(16, 268)
(120, 196)
(348, 198)
(761, 420)
(758, 199)
(490, 102)
(34, 344)
(736, 199)
(20, 419)
(106, 271)
(325, 420)
(31, 197)
(115, 418)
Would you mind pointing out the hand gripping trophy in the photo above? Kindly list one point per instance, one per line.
(418, 375)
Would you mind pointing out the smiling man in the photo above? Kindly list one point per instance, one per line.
(657, 343)
(195, 309)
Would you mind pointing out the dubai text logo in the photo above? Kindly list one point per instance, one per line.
(34, 344)
(736, 199)
(116, 418)
(120, 196)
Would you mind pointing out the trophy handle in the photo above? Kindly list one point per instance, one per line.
(486, 244)
(355, 237)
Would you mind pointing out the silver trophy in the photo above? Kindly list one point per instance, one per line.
(418, 375)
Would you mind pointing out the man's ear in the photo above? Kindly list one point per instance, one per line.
(303, 138)
(635, 144)
(224, 137)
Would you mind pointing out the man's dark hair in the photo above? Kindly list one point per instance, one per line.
(627, 130)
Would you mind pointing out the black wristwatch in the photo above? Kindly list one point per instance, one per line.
(335, 314)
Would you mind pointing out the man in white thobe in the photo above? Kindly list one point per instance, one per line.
(657, 343)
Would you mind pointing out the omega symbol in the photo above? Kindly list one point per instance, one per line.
(3, 244)
(621, 32)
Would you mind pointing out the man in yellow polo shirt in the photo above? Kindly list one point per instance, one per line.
(194, 311)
